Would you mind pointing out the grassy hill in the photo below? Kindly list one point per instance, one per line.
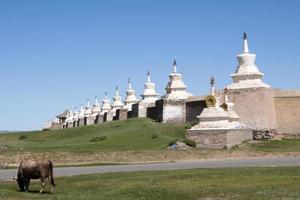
(132, 134)
(127, 141)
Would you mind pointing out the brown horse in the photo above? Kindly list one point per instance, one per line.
(30, 169)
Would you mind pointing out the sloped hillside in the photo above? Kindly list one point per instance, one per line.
(132, 134)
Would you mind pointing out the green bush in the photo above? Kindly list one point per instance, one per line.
(154, 136)
(98, 139)
(190, 143)
(22, 137)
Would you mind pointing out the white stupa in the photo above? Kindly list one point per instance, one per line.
(105, 104)
(247, 74)
(218, 127)
(176, 89)
(96, 107)
(88, 109)
(117, 101)
(75, 114)
(216, 116)
(69, 118)
(81, 112)
(229, 107)
(149, 95)
(130, 96)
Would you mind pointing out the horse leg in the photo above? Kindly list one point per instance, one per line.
(43, 184)
(27, 182)
(52, 191)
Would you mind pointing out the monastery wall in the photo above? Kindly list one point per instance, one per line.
(194, 106)
(174, 111)
(255, 107)
(287, 107)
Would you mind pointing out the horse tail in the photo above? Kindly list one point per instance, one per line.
(51, 173)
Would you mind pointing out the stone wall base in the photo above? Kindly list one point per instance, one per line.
(219, 138)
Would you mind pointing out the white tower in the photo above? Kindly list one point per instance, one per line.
(247, 74)
(81, 112)
(130, 96)
(176, 89)
(88, 110)
(117, 101)
(75, 114)
(96, 107)
(105, 104)
(69, 118)
(149, 95)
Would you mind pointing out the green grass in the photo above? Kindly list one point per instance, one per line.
(228, 183)
(133, 134)
(284, 145)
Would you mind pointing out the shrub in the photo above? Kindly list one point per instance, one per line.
(98, 139)
(22, 137)
(188, 125)
(190, 143)
(154, 136)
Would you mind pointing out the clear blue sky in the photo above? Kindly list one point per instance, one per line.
(56, 53)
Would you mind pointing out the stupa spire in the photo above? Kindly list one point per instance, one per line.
(105, 104)
(212, 85)
(129, 84)
(117, 91)
(174, 66)
(96, 100)
(87, 102)
(81, 107)
(88, 110)
(148, 77)
(245, 46)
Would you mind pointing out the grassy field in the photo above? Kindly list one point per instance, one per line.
(128, 141)
(236, 183)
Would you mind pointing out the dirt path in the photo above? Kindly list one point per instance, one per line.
(69, 158)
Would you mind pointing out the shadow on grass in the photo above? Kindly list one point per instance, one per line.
(35, 192)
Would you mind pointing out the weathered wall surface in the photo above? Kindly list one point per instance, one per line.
(81, 122)
(287, 107)
(174, 111)
(100, 119)
(123, 114)
(255, 107)
(194, 106)
(156, 112)
(55, 126)
(142, 108)
(135, 110)
(220, 138)
(89, 120)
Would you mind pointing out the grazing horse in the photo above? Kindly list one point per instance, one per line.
(30, 169)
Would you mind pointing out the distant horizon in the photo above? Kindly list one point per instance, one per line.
(56, 54)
